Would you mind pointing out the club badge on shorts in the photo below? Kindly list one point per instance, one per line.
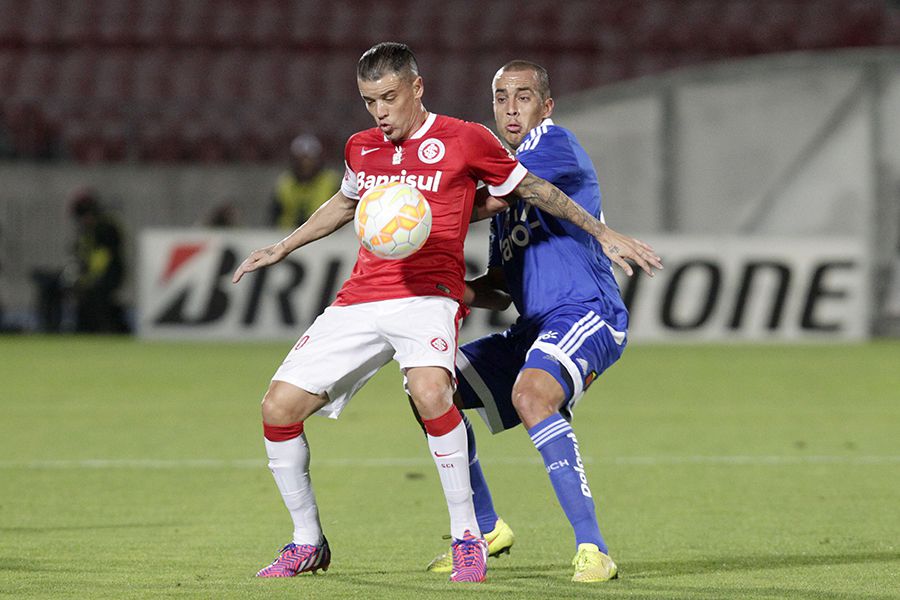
(440, 344)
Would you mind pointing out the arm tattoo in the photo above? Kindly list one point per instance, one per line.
(546, 196)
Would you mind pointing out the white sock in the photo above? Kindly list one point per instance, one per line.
(289, 463)
(451, 455)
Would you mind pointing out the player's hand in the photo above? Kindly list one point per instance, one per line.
(260, 258)
(488, 206)
(491, 299)
(621, 248)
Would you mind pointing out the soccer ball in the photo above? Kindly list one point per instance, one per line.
(392, 220)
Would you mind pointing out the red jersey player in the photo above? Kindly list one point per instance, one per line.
(407, 310)
(444, 158)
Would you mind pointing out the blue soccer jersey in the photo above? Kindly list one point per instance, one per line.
(549, 262)
(572, 319)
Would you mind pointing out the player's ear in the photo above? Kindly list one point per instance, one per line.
(548, 108)
(418, 87)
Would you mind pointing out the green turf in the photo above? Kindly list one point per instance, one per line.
(135, 470)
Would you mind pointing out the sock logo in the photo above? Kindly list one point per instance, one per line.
(579, 467)
(557, 465)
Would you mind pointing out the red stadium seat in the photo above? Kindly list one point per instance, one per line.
(218, 80)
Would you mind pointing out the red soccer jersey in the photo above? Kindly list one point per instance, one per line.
(444, 159)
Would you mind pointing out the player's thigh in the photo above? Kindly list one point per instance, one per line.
(575, 346)
(422, 330)
(486, 371)
(285, 403)
(337, 355)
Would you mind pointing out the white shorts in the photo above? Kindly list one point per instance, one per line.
(346, 345)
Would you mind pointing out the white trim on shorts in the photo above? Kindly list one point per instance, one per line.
(489, 411)
(587, 326)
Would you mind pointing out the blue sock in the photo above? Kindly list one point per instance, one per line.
(555, 440)
(484, 504)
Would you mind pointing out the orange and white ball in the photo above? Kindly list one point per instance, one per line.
(392, 220)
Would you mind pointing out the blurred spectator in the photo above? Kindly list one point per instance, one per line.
(6, 146)
(305, 186)
(222, 215)
(100, 266)
(51, 299)
(4, 326)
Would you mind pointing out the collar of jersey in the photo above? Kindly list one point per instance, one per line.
(534, 132)
(421, 131)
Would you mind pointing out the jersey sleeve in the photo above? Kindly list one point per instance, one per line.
(490, 162)
(349, 185)
(552, 158)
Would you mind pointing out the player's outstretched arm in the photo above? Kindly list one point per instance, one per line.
(329, 217)
(486, 206)
(618, 247)
(488, 291)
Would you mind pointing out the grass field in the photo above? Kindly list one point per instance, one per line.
(136, 470)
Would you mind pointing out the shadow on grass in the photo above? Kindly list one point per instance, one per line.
(643, 569)
(645, 579)
(58, 528)
(31, 566)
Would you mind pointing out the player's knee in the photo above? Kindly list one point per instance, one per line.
(431, 398)
(531, 405)
(522, 399)
(283, 405)
(275, 410)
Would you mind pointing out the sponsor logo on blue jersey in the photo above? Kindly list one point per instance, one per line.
(520, 220)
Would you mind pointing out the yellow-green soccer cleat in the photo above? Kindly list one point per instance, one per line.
(499, 540)
(591, 565)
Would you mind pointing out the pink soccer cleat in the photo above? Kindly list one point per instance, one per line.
(469, 558)
(295, 559)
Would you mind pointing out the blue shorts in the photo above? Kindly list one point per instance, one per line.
(574, 344)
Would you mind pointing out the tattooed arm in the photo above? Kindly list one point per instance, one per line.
(330, 217)
(550, 199)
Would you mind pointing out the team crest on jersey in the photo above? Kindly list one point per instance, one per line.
(431, 151)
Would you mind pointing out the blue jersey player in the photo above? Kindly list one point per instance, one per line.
(572, 323)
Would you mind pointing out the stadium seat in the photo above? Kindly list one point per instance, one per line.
(150, 76)
(212, 58)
